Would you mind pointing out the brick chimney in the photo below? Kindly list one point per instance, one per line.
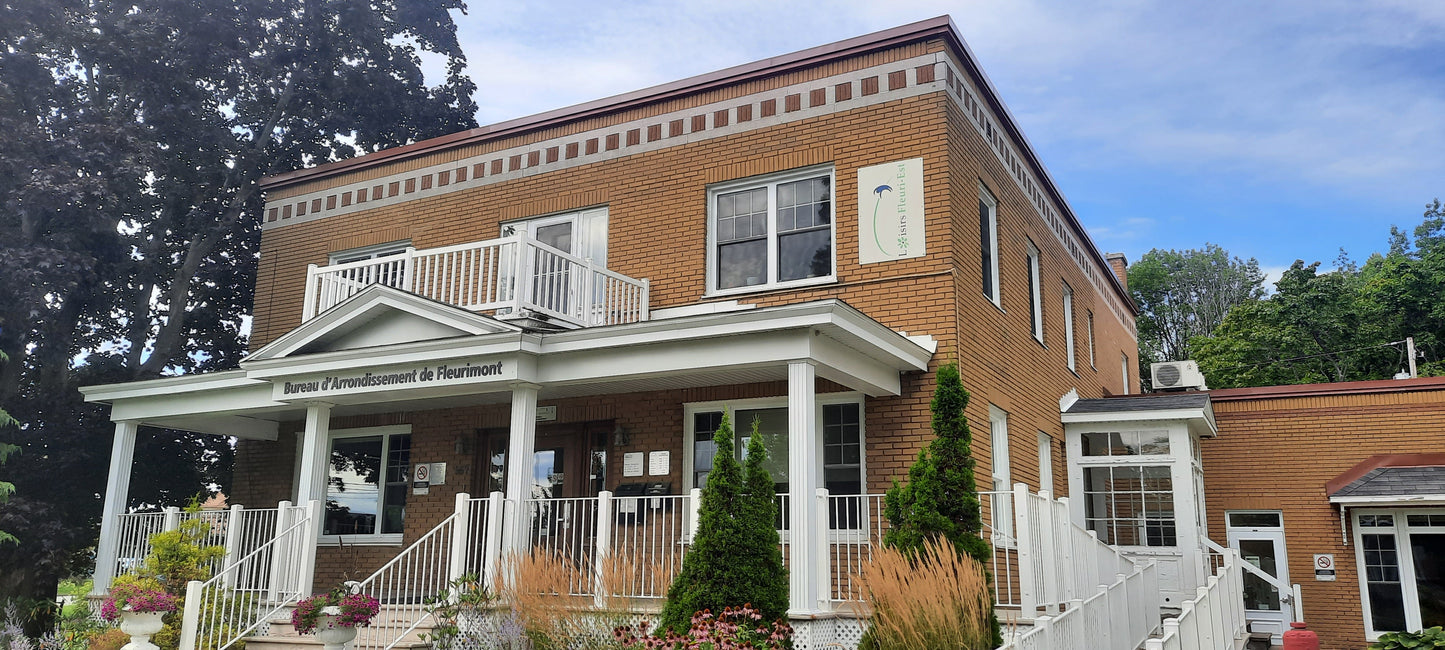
(1120, 264)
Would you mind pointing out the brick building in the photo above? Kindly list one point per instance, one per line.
(1335, 470)
(566, 305)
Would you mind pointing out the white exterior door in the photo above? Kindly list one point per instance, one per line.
(1259, 538)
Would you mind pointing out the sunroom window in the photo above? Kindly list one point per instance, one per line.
(776, 231)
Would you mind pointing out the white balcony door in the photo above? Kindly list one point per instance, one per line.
(556, 284)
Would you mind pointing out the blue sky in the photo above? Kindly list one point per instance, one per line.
(1279, 130)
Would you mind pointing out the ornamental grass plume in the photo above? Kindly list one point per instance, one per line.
(938, 598)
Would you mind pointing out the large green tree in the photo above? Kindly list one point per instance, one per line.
(1186, 294)
(134, 137)
(1345, 324)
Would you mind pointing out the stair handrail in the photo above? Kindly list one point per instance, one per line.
(230, 617)
(419, 573)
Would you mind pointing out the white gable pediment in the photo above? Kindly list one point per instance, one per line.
(378, 316)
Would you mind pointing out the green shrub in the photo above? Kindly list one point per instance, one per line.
(735, 559)
(940, 500)
(1423, 640)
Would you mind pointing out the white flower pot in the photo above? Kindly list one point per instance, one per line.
(331, 634)
(140, 626)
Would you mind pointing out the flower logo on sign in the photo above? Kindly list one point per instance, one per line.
(878, 191)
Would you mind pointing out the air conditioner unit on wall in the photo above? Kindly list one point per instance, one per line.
(1176, 375)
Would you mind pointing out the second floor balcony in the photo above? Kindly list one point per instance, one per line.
(514, 277)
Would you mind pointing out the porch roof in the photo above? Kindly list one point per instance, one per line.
(1392, 479)
(358, 360)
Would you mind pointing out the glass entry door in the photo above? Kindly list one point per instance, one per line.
(1259, 538)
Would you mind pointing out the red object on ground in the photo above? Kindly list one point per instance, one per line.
(1300, 638)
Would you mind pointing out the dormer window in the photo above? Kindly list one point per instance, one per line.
(771, 232)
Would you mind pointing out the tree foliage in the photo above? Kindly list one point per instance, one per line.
(940, 500)
(1345, 324)
(1186, 294)
(735, 559)
(135, 135)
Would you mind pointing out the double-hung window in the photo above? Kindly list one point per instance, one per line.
(988, 243)
(1036, 299)
(769, 232)
(366, 483)
(369, 252)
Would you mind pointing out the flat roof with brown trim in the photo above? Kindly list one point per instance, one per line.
(1334, 388)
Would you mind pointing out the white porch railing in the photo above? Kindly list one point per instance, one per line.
(506, 276)
(255, 586)
(239, 530)
(1214, 618)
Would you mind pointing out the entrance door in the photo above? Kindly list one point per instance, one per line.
(1259, 538)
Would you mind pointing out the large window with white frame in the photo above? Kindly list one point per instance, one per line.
(1129, 487)
(771, 232)
(988, 243)
(1069, 326)
(840, 439)
(1400, 554)
(1036, 297)
(367, 484)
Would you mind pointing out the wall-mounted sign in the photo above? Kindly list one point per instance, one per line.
(890, 211)
(392, 378)
(546, 413)
(421, 478)
(659, 463)
(1325, 567)
(632, 463)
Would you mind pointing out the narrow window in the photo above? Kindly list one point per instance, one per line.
(1046, 462)
(998, 434)
(1036, 299)
(988, 242)
(1091, 339)
(1124, 371)
(1069, 325)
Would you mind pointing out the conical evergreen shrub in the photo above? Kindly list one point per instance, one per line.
(734, 559)
(940, 500)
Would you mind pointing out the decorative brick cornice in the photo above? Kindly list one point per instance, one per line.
(843, 92)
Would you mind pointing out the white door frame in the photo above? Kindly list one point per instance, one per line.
(1275, 622)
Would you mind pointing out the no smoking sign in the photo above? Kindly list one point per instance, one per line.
(1325, 567)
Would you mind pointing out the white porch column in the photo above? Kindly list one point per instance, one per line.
(521, 445)
(314, 452)
(117, 491)
(806, 545)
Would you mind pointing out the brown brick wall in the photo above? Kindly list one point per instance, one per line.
(1277, 454)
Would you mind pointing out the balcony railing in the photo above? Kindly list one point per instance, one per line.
(510, 277)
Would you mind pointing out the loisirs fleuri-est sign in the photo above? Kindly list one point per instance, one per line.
(890, 211)
(363, 381)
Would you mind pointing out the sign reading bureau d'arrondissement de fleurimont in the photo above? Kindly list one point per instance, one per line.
(392, 378)
(890, 211)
